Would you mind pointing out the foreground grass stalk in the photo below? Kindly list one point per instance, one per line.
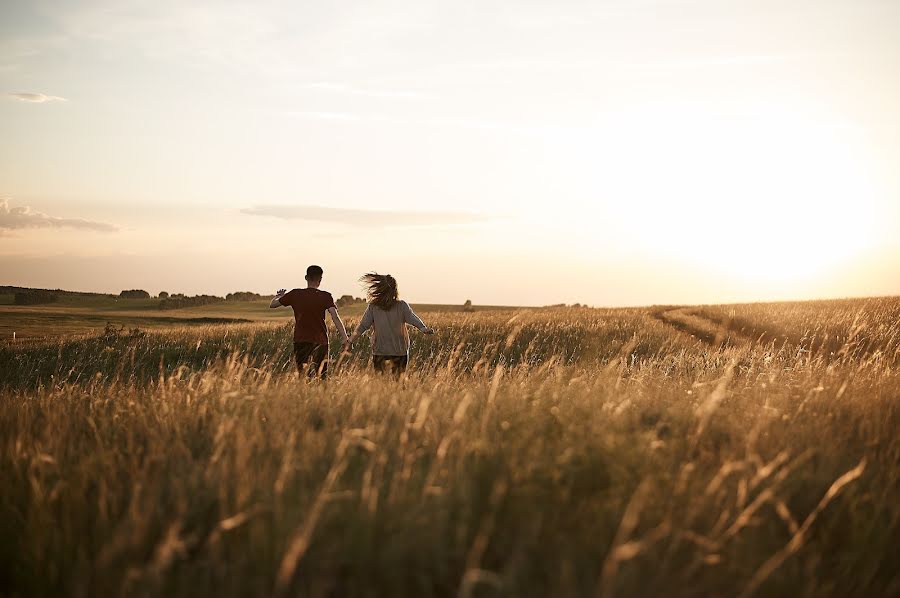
(799, 536)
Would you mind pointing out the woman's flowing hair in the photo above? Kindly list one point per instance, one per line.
(381, 289)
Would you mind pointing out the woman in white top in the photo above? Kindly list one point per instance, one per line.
(389, 315)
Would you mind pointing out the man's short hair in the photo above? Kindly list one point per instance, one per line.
(314, 272)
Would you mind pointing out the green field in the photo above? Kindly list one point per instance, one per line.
(90, 315)
(674, 451)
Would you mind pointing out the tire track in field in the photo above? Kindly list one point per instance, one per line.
(687, 320)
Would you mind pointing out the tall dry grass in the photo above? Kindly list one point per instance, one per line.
(852, 328)
(562, 452)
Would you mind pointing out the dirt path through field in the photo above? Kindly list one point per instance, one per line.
(688, 321)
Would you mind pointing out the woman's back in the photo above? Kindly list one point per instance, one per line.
(391, 335)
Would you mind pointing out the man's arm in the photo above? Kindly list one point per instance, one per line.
(276, 302)
(339, 324)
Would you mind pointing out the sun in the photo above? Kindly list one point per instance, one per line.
(771, 198)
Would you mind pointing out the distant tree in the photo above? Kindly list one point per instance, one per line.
(163, 295)
(243, 296)
(467, 306)
(134, 294)
(346, 300)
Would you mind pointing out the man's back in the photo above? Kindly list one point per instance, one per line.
(309, 307)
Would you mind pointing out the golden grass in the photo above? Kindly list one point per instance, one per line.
(566, 452)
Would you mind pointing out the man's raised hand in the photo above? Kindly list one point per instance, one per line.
(280, 292)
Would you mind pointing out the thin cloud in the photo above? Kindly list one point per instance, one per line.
(317, 115)
(36, 98)
(364, 218)
(343, 88)
(23, 217)
(469, 123)
(727, 61)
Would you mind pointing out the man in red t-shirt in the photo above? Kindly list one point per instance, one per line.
(310, 332)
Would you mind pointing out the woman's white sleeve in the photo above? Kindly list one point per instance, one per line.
(410, 317)
(366, 321)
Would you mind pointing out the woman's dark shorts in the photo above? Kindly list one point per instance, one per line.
(395, 364)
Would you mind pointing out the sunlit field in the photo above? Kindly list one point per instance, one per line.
(746, 450)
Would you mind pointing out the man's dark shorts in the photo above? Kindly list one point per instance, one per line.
(312, 359)
(395, 364)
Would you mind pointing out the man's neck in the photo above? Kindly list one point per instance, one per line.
(309, 286)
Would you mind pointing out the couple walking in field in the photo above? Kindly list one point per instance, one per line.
(386, 313)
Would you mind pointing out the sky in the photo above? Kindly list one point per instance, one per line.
(617, 152)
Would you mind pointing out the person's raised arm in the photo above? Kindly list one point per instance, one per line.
(410, 317)
(339, 324)
(276, 300)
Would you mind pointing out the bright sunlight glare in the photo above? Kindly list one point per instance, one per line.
(767, 198)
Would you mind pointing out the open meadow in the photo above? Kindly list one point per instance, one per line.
(90, 313)
(740, 450)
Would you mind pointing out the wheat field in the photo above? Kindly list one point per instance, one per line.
(709, 451)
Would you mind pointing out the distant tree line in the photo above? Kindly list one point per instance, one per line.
(179, 300)
(10, 290)
(35, 297)
(28, 296)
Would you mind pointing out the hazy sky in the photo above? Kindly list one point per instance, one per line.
(511, 152)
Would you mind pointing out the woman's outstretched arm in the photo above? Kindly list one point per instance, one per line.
(410, 317)
(364, 324)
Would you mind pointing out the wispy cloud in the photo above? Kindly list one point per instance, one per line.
(343, 88)
(36, 98)
(455, 123)
(367, 218)
(319, 115)
(727, 61)
(16, 218)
